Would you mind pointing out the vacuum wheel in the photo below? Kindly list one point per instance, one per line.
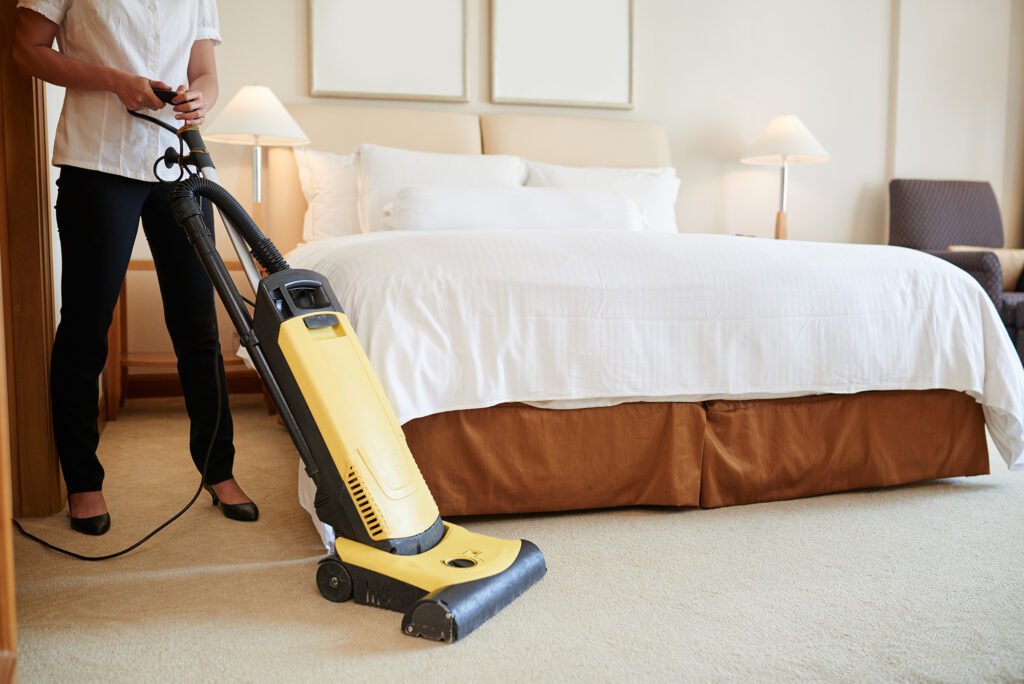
(333, 580)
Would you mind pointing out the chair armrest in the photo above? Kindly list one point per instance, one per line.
(984, 266)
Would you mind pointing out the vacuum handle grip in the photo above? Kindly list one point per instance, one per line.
(188, 133)
(165, 95)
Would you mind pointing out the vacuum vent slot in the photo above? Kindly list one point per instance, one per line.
(367, 511)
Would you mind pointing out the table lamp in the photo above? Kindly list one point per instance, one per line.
(254, 116)
(785, 142)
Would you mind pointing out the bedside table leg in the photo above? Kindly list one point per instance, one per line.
(123, 360)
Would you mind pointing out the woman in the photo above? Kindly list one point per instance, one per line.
(112, 54)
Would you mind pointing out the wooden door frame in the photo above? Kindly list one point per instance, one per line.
(27, 291)
(30, 482)
(8, 635)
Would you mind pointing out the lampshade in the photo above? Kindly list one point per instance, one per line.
(255, 116)
(786, 139)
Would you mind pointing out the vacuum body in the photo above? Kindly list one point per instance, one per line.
(393, 550)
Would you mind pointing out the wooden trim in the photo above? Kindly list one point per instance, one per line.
(150, 266)
(147, 385)
(8, 636)
(28, 293)
(167, 360)
(8, 633)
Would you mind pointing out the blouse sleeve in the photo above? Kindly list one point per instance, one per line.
(209, 24)
(54, 10)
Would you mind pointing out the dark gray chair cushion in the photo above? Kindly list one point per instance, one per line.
(932, 215)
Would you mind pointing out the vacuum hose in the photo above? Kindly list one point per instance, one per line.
(185, 205)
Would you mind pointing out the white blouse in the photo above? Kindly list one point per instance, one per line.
(151, 38)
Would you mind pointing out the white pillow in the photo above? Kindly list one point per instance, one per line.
(654, 190)
(456, 208)
(383, 171)
(332, 201)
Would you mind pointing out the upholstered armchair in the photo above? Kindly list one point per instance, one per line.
(933, 216)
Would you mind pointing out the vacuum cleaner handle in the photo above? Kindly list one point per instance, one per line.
(166, 96)
(202, 159)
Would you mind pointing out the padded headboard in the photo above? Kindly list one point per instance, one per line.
(576, 141)
(570, 141)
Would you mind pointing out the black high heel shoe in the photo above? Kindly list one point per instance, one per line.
(96, 525)
(246, 512)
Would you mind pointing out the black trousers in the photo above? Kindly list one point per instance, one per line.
(98, 219)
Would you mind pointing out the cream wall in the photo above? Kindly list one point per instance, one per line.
(714, 73)
(954, 91)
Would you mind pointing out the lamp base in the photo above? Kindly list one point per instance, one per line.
(781, 230)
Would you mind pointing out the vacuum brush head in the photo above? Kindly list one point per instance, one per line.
(451, 613)
(445, 592)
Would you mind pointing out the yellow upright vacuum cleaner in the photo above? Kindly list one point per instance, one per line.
(393, 550)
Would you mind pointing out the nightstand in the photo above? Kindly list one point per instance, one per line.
(120, 358)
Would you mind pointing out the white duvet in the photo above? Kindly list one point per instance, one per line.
(469, 319)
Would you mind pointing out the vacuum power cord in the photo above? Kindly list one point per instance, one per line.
(195, 497)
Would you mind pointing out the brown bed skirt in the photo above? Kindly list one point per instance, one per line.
(515, 458)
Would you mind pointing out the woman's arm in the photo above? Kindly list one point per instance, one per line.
(192, 104)
(33, 38)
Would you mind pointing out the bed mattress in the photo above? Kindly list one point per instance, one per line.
(463, 320)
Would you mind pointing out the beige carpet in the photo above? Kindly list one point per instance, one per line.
(917, 583)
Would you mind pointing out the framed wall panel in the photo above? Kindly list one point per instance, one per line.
(576, 53)
(389, 49)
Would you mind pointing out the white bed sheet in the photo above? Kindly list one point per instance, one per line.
(470, 319)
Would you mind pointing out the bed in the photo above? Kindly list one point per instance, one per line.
(557, 372)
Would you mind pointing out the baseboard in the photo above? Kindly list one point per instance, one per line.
(147, 385)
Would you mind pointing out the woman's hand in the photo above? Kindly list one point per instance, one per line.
(136, 92)
(190, 106)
